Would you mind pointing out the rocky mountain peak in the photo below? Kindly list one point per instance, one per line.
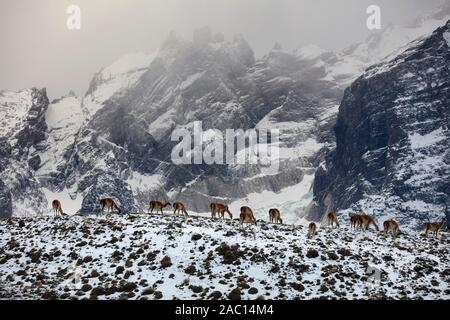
(392, 139)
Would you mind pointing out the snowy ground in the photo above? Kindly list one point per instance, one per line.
(154, 257)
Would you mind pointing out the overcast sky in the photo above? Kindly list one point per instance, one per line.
(38, 50)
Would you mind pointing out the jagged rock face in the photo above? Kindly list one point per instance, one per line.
(5, 201)
(392, 155)
(115, 141)
(22, 135)
(219, 83)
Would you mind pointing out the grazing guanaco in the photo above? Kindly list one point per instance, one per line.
(179, 207)
(367, 221)
(355, 222)
(275, 216)
(109, 204)
(434, 227)
(312, 230)
(246, 216)
(332, 219)
(220, 209)
(391, 225)
(57, 209)
(158, 206)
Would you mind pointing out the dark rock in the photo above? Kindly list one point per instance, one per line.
(166, 262)
(235, 294)
(312, 253)
(196, 237)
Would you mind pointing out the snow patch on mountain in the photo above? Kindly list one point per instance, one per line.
(64, 118)
(71, 201)
(419, 141)
(447, 38)
(14, 111)
(121, 75)
(290, 201)
(310, 52)
(128, 63)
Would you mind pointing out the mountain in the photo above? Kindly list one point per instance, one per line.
(392, 139)
(164, 257)
(115, 141)
(125, 149)
(22, 136)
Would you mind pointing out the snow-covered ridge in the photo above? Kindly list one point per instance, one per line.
(154, 257)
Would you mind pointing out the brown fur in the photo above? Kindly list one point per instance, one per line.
(220, 209)
(355, 222)
(246, 216)
(275, 216)
(434, 227)
(57, 208)
(158, 206)
(109, 204)
(391, 225)
(332, 219)
(367, 221)
(312, 230)
(179, 207)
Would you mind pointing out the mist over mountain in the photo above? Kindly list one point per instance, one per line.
(391, 158)
(115, 141)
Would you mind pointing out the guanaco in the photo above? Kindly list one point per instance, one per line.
(367, 221)
(109, 204)
(312, 230)
(275, 216)
(57, 209)
(158, 206)
(434, 227)
(332, 219)
(246, 216)
(355, 222)
(391, 225)
(179, 207)
(220, 209)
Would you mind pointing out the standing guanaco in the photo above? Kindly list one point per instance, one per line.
(220, 209)
(246, 216)
(355, 222)
(312, 230)
(57, 209)
(367, 221)
(391, 225)
(332, 219)
(109, 204)
(434, 227)
(275, 216)
(158, 206)
(179, 207)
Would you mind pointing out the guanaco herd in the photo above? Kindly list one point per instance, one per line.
(357, 221)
